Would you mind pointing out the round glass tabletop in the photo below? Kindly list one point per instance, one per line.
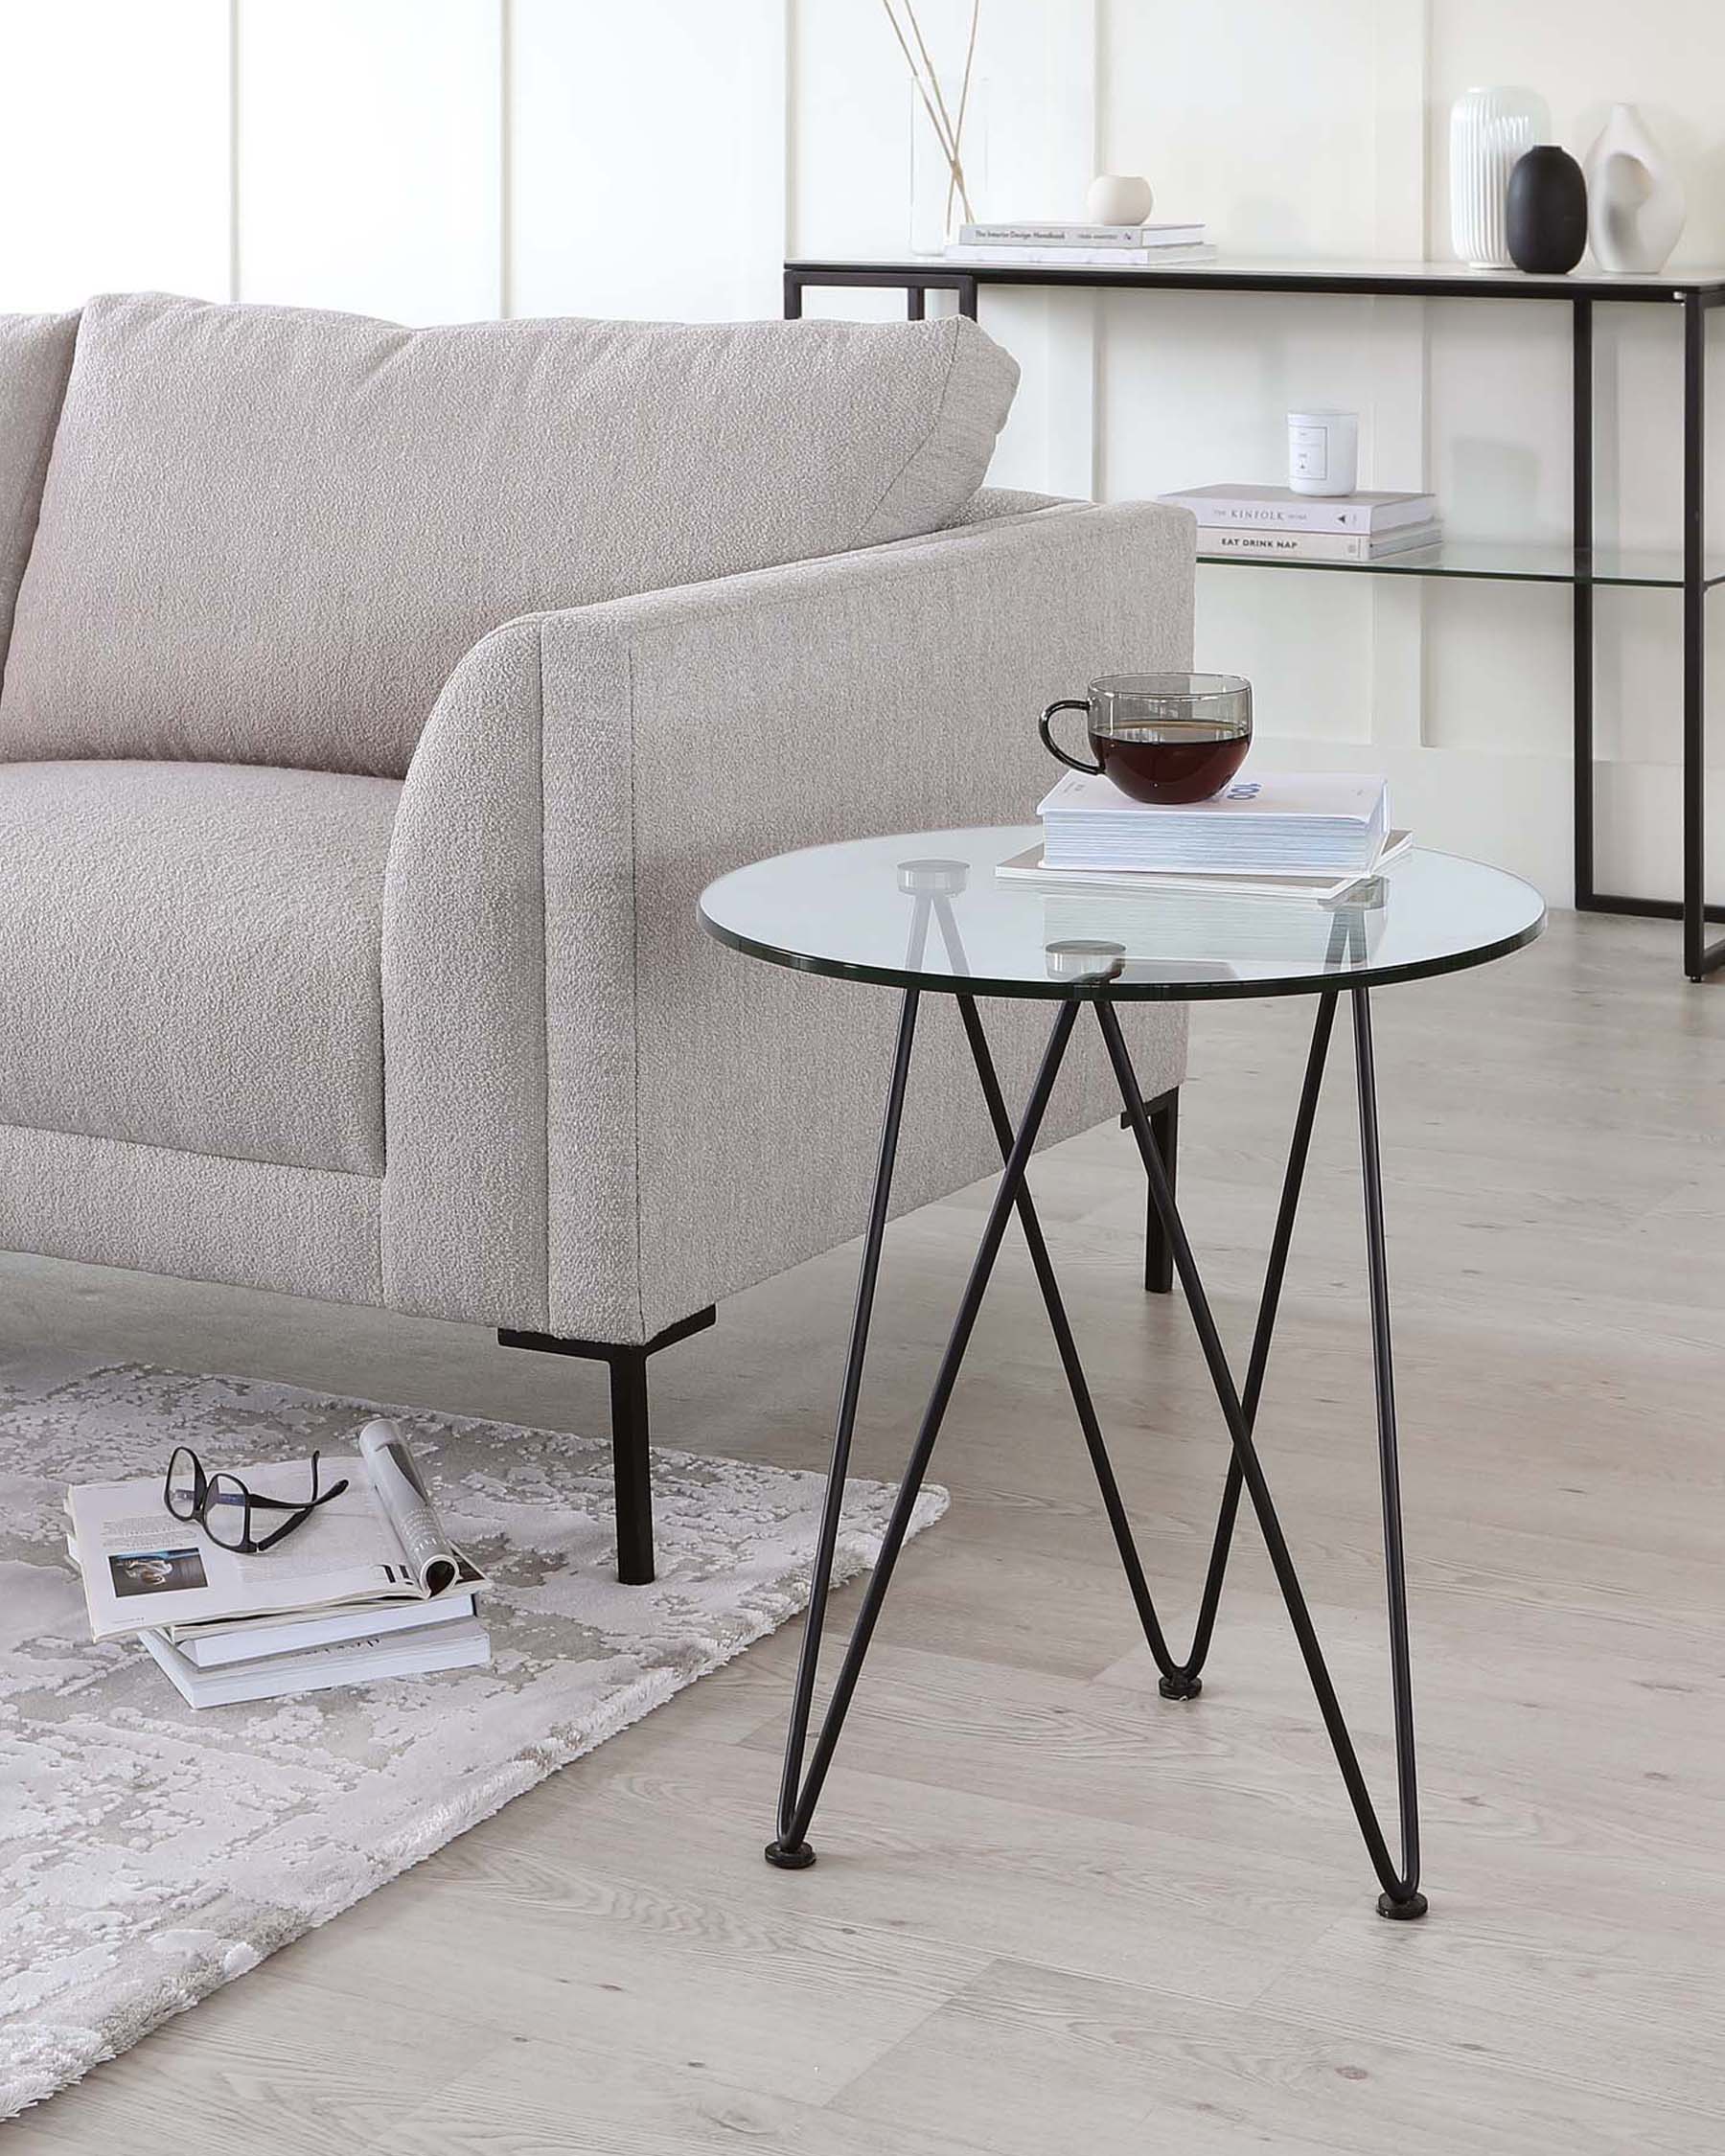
(927, 911)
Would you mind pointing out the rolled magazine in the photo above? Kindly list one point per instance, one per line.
(396, 1481)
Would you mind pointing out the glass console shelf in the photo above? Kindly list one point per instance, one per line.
(1692, 295)
(1497, 560)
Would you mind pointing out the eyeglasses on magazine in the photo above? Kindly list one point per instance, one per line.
(223, 1507)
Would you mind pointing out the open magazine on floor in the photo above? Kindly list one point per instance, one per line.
(380, 1542)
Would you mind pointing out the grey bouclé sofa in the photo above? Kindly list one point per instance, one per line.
(376, 703)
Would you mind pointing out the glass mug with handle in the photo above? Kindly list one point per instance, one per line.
(1163, 738)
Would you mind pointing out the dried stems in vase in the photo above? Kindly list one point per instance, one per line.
(948, 132)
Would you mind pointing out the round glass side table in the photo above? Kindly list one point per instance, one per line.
(925, 914)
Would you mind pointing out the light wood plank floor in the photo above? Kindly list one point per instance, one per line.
(1053, 1912)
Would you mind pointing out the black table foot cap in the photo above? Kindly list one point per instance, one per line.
(1402, 1911)
(1179, 1688)
(797, 1858)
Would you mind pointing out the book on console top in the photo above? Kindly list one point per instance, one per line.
(1052, 233)
(1307, 823)
(1084, 258)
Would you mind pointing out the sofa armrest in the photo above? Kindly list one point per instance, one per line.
(581, 1086)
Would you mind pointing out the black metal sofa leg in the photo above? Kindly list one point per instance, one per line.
(632, 1458)
(1164, 1113)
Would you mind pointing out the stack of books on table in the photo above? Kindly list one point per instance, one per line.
(1082, 247)
(1275, 523)
(1270, 869)
(368, 1587)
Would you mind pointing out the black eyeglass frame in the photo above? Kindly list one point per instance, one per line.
(224, 1488)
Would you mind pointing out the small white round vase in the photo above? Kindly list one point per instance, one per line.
(1635, 200)
(1118, 198)
(1489, 131)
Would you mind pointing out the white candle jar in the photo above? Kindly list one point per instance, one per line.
(1324, 453)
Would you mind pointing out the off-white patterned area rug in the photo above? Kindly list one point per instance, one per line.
(148, 1854)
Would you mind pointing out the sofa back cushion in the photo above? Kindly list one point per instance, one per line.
(268, 535)
(35, 355)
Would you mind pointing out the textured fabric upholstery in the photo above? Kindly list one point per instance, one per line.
(36, 355)
(193, 1216)
(698, 1121)
(190, 958)
(268, 535)
(464, 1002)
(989, 504)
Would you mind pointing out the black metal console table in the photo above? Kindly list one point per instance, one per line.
(1581, 565)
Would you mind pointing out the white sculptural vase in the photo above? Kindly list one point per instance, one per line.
(1489, 130)
(1635, 200)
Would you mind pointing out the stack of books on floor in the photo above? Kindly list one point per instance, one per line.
(1276, 868)
(368, 1587)
(1275, 523)
(1082, 247)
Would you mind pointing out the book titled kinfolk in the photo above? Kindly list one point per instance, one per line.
(1251, 508)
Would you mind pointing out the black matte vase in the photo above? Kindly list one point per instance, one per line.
(1547, 212)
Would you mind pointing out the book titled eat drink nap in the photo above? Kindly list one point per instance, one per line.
(1319, 546)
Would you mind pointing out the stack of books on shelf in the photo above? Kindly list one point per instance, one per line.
(368, 1587)
(1275, 523)
(1264, 871)
(1082, 247)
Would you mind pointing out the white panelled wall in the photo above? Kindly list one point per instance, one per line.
(442, 159)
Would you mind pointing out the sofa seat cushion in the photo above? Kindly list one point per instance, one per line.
(190, 957)
(268, 534)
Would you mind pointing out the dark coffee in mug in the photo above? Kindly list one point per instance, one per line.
(1162, 737)
(1170, 762)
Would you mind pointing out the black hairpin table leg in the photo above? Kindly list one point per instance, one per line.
(1178, 1680)
(799, 1791)
(1184, 1682)
(1402, 1896)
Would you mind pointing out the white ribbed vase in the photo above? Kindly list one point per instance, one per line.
(1489, 130)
